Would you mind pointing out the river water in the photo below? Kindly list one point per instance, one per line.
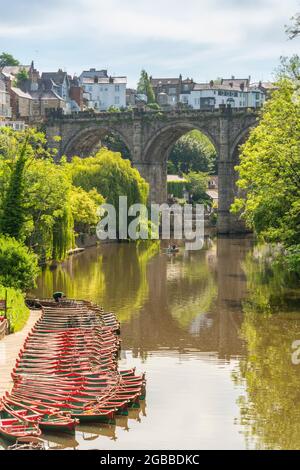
(213, 330)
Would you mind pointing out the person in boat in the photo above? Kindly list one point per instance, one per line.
(58, 296)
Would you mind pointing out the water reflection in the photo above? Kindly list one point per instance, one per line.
(270, 411)
(203, 326)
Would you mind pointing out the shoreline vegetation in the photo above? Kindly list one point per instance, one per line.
(45, 206)
(269, 171)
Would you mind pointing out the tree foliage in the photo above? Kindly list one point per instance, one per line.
(193, 152)
(294, 29)
(197, 185)
(7, 59)
(18, 265)
(113, 142)
(111, 176)
(84, 205)
(21, 77)
(269, 169)
(144, 87)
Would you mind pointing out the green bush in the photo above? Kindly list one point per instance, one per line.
(176, 188)
(17, 312)
(18, 265)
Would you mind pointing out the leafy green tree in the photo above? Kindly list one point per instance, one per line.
(269, 169)
(111, 176)
(114, 143)
(289, 68)
(193, 152)
(145, 87)
(7, 60)
(84, 207)
(13, 215)
(35, 193)
(18, 265)
(197, 185)
(21, 77)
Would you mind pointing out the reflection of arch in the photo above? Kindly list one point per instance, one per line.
(85, 141)
(161, 143)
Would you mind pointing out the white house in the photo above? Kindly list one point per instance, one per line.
(234, 92)
(5, 108)
(102, 91)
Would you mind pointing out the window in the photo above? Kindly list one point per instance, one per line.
(172, 91)
(117, 88)
(117, 100)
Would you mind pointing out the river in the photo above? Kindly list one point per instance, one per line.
(212, 329)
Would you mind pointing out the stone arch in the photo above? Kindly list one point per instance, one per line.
(158, 147)
(83, 142)
(240, 139)
(153, 166)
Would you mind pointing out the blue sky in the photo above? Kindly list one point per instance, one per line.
(202, 39)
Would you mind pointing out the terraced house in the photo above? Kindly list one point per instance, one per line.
(238, 93)
(101, 91)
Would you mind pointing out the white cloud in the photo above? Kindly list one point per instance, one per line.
(163, 34)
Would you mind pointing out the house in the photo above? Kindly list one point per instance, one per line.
(168, 90)
(15, 125)
(135, 99)
(5, 108)
(21, 103)
(101, 91)
(234, 92)
(68, 89)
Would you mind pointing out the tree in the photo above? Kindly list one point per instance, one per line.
(197, 185)
(144, 87)
(289, 68)
(294, 29)
(84, 205)
(193, 152)
(111, 176)
(113, 142)
(18, 265)
(35, 194)
(7, 60)
(21, 77)
(13, 215)
(269, 170)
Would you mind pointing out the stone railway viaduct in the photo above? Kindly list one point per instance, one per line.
(150, 137)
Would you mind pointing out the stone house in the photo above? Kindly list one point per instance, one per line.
(168, 90)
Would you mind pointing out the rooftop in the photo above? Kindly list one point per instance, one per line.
(103, 80)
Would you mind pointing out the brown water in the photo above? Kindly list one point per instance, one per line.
(219, 370)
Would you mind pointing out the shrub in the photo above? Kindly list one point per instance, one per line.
(18, 265)
(17, 312)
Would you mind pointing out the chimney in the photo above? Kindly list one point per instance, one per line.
(232, 77)
(211, 83)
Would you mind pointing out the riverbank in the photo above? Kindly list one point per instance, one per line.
(9, 350)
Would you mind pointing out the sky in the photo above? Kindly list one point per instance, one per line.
(201, 39)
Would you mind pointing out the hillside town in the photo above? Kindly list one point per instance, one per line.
(28, 95)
